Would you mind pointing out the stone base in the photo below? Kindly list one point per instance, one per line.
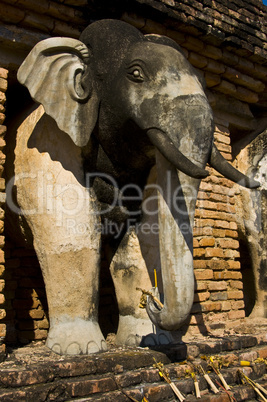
(35, 373)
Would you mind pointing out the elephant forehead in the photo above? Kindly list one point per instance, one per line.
(166, 73)
(165, 88)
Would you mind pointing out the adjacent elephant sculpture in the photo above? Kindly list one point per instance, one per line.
(123, 117)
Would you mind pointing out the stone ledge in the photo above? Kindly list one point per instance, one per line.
(35, 373)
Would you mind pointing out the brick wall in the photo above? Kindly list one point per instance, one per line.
(228, 47)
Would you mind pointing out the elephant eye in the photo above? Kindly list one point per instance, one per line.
(136, 74)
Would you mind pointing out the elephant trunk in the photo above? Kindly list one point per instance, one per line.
(176, 204)
(161, 141)
(218, 162)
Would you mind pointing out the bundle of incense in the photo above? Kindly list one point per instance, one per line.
(208, 379)
(164, 374)
(146, 292)
(219, 374)
(254, 385)
(196, 384)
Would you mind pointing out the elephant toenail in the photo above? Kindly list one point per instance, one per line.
(73, 349)
(92, 347)
(103, 346)
(56, 349)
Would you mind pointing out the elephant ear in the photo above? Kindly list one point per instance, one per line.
(58, 75)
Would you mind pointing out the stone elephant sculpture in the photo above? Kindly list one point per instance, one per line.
(126, 114)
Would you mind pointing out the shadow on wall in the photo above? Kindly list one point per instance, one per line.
(248, 277)
(26, 304)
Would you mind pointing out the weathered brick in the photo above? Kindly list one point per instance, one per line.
(229, 58)
(2, 118)
(207, 242)
(134, 19)
(231, 253)
(235, 294)
(3, 73)
(226, 88)
(227, 275)
(237, 305)
(236, 314)
(213, 214)
(77, 388)
(36, 314)
(247, 95)
(231, 233)
(233, 264)
(222, 138)
(200, 286)
(203, 274)
(3, 85)
(217, 264)
(2, 100)
(225, 243)
(202, 296)
(127, 379)
(200, 264)
(159, 392)
(217, 296)
(221, 128)
(213, 252)
(193, 44)
(201, 223)
(262, 353)
(11, 14)
(236, 284)
(2, 255)
(226, 305)
(152, 26)
(150, 375)
(2, 314)
(62, 28)
(244, 80)
(42, 22)
(212, 52)
(2, 330)
(207, 231)
(197, 60)
(217, 285)
(2, 109)
(248, 356)
(211, 306)
(43, 324)
(233, 226)
(178, 37)
(199, 252)
(195, 243)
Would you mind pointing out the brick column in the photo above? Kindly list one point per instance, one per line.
(219, 295)
(3, 88)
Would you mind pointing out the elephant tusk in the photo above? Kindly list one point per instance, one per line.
(166, 147)
(218, 162)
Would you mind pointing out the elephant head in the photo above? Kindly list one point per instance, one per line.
(136, 93)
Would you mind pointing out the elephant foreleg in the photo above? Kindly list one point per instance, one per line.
(62, 216)
(133, 267)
